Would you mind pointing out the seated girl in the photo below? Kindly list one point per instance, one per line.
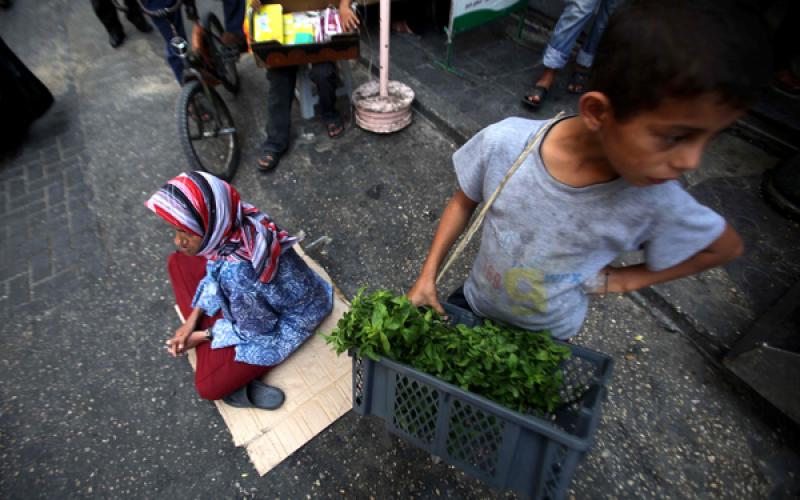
(249, 300)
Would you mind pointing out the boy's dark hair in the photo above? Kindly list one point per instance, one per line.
(656, 49)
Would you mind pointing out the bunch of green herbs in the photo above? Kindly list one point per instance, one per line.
(516, 368)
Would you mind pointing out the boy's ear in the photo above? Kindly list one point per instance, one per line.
(595, 109)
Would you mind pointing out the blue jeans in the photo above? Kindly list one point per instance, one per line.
(233, 11)
(571, 23)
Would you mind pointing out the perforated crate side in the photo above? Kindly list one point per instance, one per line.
(534, 456)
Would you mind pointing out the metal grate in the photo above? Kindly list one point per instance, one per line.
(416, 407)
(474, 437)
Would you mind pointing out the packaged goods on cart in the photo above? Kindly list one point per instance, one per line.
(330, 23)
(312, 34)
(300, 27)
(268, 23)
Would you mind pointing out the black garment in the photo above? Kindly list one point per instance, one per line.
(107, 14)
(281, 95)
(23, 98)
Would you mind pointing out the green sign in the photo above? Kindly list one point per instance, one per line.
(468, 14)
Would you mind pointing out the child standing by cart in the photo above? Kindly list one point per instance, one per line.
(281, 93)
(669, 77)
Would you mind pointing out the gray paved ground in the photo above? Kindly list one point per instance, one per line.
(91, 406)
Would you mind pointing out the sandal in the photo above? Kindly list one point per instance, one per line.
(577, 82)
(538, 93)
(335, 129)
(256, 394)
(268, 161)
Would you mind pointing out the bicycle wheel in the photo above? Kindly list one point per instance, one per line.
(207, 132)
(223, 58)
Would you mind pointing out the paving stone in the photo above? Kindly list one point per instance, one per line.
(40, 266)
(45, 182)
(73, 175)
(19, 291)
(34, 171)
(57, 168)
(51, 154)
(55, 195)
(80, 191)
(53, 290)
(24, 209)
(16, 188)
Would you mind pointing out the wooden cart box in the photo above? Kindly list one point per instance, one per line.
(274, 55)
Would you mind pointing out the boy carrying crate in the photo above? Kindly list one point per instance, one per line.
(669, 76)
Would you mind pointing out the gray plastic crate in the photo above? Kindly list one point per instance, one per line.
(534, 456)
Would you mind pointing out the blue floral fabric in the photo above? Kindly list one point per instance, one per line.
(266, 322)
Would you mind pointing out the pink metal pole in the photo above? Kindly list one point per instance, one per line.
(384, 55)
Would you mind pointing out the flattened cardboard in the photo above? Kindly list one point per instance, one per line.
(318, 388)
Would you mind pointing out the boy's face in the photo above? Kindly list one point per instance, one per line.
(655, 146)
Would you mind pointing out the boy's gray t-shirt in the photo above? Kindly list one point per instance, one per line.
(544, 243)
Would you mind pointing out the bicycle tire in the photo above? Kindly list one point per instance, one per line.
(225, 69)
(221, 159)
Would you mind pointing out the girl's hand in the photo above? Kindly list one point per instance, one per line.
(179, 346)
(176, 345)
(255, 4)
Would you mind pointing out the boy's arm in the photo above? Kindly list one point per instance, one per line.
(454, 219)
(627, 279)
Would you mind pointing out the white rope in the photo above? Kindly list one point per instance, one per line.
(473, 228)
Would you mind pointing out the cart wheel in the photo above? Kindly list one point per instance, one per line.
(207, 132)
(222, 57)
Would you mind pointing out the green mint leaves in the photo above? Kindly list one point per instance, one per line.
(516, 368)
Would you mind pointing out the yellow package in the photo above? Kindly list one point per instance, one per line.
(288, 29)
(298, 28)
(268, 23)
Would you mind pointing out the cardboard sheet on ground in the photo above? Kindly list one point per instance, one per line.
(318, 388)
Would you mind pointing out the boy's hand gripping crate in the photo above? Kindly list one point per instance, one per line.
(272, 54)
(534, 456)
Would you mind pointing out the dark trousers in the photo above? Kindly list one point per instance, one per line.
(107, 14)
(233, 11)
(281, 95)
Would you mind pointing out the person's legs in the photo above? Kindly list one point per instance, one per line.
(233, 11)
(279, 115)
(164, 26)
(572, 21)
(589, 48)
(136, 17)
(217, 374)
(324, 77)
(107, 14)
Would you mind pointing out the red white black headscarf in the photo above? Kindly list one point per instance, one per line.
(203, 205)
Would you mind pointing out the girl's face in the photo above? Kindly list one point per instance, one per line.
(187, 243)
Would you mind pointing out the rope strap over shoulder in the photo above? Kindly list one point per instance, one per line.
(473, 228)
